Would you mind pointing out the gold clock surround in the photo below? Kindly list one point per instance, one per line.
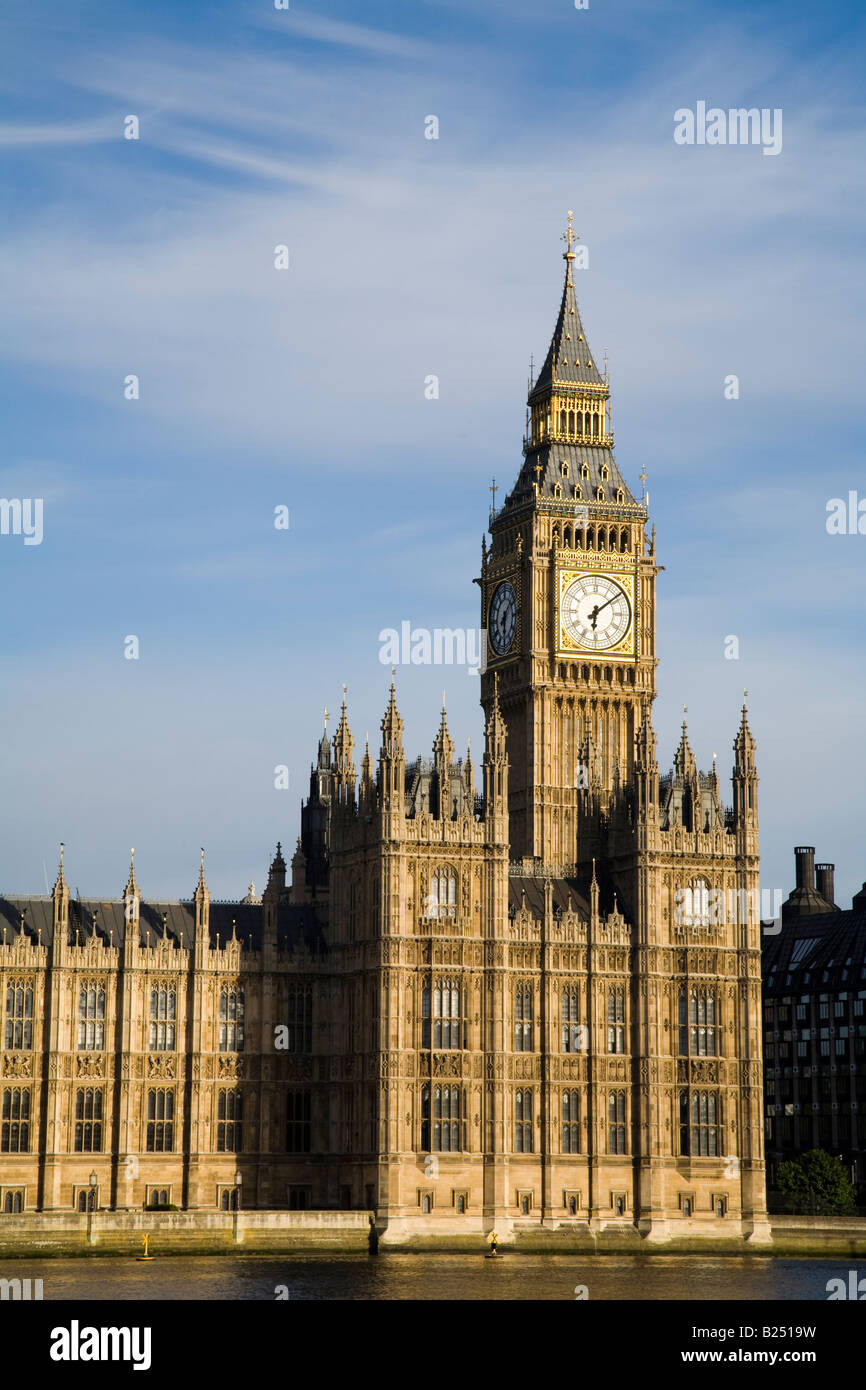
(625, 577)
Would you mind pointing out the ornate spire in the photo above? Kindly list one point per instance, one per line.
(443, 744)
(60, 884)
(569, 443)
(469, 772)
(131, 885)
(392, 728)
(744, 743)
(201, 886)
(569, 359)
(131, 894)
(684, 758)
(344, 745)
(495, 727)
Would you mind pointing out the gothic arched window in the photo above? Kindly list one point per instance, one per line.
(698, 1032)
(88, 1121)
(523, 1122)
(573, 1033)
(446, 1010)
(91, 1017)
(231, 1019)
(18, 1033)
(616, 1020)
(616, 1122)
(163, 1012)
(523, 1019)
(570, 1122)
(443, 894)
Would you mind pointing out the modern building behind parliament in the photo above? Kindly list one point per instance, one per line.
(488, 997)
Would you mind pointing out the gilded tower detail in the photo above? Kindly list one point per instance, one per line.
(521, 996)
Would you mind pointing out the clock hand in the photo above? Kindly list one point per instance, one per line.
(605, 605)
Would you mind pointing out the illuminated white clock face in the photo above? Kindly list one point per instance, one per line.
(503, 618)
(595, 612)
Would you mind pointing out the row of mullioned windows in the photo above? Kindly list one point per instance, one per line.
(90, 1035)
(443, 1121)
(15, 1105)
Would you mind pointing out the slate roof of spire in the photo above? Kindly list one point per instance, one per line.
(569, 357)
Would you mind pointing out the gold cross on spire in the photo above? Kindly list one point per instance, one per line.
(327, 717)
(569, 236)
(493, 489)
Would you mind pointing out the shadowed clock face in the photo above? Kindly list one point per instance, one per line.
(503, 618)
(595, 612)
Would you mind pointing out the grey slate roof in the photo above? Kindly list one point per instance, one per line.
(569, 357)
(534, 888)
(552, 456)
(295, 921)
(833, 944)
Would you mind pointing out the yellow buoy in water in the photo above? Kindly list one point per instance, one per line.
(145, 1256)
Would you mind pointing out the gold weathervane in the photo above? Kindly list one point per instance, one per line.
(569, 236)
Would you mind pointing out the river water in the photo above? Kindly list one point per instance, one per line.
(421, 1277)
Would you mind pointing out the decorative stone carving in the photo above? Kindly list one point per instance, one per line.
(160, 1064)
(89, 1064)
(17, 1064)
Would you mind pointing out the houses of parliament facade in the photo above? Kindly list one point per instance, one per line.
(478, 998)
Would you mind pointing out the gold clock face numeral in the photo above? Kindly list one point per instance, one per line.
(595, 612)
(503, 618)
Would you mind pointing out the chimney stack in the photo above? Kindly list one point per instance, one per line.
(824, 882)
(804, 858)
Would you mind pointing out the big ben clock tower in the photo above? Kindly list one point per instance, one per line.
(568, 602)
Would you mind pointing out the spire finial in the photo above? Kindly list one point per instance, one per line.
(327, 717)
(344, 694)
(569, 236)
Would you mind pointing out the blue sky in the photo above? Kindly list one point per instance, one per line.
(408, 257)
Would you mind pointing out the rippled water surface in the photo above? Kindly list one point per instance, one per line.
(426, 1276)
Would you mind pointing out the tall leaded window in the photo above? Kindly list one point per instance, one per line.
(229, 1122)
(231, 1019)
(443, 894)
(523, 1122)
(160, 1121)
(443, 1119)
(18, 1032)
(705, 1124)
(616, 1020)
(91, 1017)
(163, 1013)
(698, 1023)
(444, 997)
(616, 1122)
(299, 1126)
(570, 1122)
(523, 1019)
(88, 1121)
(299, 1014)
(685, 1147)
(573, 1033)
(15, 1121)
